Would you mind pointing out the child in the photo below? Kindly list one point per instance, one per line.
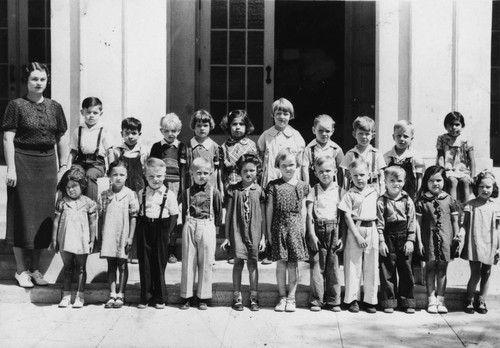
(364, 132)
(90, 144)
(158, 213)
(437, 215)
(402, 154)
(202, 146)
(324, 241)
(238, 125)
(118, 207)
(285, 219)
(132, 154)
(245, 224)
(278, 137)
(73, 233)
(202, 216)
(456, 154)
(173, 153)
(359, 205)
(396, 230)
(323, 128)
(482, 238)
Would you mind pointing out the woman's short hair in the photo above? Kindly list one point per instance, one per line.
(285, 153)
(90, 102)
(172, 121)
(73, 174)
(226, 121)
(131, 123)
(483, 175)
(249, 158)
(115, 164)
(283, 104)
(201, 116)
(432, 170)
(452, 117)
(363, 123)
(395, 172)
(32, 66)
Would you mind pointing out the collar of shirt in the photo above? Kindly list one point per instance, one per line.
(454, 142)
(288, 131)
(368, 149)
(403, 195)
(150, 191)
(333, 187)
(119, 195)
(80, 202)
(368, 190)
(174, 143)
(137, 148)
(94, 127)
(206, 144)
(239, 186)
(408, 153)
(429, 196)
(231, 141)
(199, 188)
(330, 143)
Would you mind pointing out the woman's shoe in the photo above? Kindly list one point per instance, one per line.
(290, 305)
(24, 279)
(37, 278)
(110, 303)
(281, 306)
(78, 302)
(65, 302)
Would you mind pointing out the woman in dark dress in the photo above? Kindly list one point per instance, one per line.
(32, 126)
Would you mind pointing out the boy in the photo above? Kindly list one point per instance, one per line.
(359, 205)
(396, 229)
(132, 154)
(173, 153)
(158, 213)
(324, 241)
(90, 144)
(364, 132)
(403, 155)
(323, 128)
(202, 216)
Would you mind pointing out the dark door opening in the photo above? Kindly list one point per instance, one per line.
(325, 62)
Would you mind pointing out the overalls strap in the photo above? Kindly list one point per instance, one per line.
(96, 152)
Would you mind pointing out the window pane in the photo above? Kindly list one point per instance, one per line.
(256, 45)
(255, 113)
(256, 14)
(237, 46)
(237, 83)
(218, 83)
(217, 110)
(218, 55)
(36, 13)
(4, 46)
(233, 105)
(36, 45)
(237, 14)
(3, 13)
(219, 14)
(256, 83)
(4, 82)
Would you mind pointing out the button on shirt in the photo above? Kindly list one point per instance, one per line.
(394, 210)
(325, 204)
(154, 198)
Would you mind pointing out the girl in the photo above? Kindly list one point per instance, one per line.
(202, 146)
(482, 244)
(456, 154)
(74, 232)
(238, 125)
(278, 137)
(118, 207)
(244, 225)
(437, 215)
(286, 225)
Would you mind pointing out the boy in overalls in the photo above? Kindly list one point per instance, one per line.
(202, 216)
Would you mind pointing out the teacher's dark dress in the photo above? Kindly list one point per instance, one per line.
(30, 204)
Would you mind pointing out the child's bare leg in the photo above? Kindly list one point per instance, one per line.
(253, 277)
(442, 267)
(430, 278)
(281, 277)
(453, 187)
(475, 276)
(465, 188)
(293, 275)
(485, 277)
(112, 275)
(81, 269)
(237, 270)
(123, 271)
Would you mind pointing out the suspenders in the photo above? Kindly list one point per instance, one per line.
(162, 206)
(81, 157)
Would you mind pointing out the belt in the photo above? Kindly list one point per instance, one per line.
(152, 220)
(364, 223)
(322, 222)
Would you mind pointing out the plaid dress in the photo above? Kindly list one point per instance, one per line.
(232, 151)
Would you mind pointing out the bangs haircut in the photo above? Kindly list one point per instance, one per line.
(364, 123)
(116, 164)
(75, 175)
(359, 163)
(91, 101)
(432, 170)
(171, 121)
(395, 172)
(321, 160)
(132, 124)
(479, 178)
(452, 117)
(225, 123)
(202, 116)
(404, 125)
(249, 158)
(287, 153)
(283, 104)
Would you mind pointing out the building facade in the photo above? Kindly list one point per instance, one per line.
(389, 59)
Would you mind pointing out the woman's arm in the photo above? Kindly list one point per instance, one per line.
(93, 230)
(229, 212)
(269, 217)
(131, 232)
(55, 228)
(472, 161)
(8, 150)
(313, 239)
(262, 244)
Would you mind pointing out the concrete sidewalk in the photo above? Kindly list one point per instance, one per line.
(30, 325)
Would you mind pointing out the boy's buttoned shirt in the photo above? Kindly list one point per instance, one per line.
(330, 149)
(88, 140)
(393, 210)
(154, 198)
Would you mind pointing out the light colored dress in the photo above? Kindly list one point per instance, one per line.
(116, 209)
(456, 154)
(481, 237)
(73, 233)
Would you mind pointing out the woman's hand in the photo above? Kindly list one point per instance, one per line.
(11, 179)
(128, 245)
(383, 249)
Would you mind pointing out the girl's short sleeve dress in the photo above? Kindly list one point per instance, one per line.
(246, 220)
(436, 228)
(481, 239)
(73, 234)
(287, 226)
(116, 210)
